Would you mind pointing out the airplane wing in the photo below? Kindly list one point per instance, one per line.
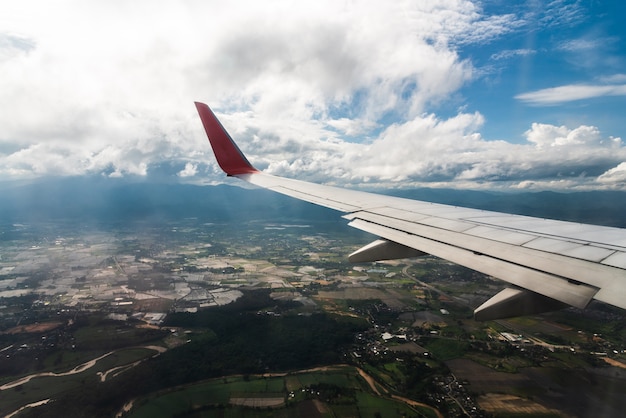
(550, 264)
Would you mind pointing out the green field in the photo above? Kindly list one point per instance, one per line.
(446, 349)
(336, 392)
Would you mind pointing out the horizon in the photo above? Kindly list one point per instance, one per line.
(122, 199)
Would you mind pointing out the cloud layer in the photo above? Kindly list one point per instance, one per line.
(326, 91)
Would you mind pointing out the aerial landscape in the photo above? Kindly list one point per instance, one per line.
(141, 277)
(178, 311)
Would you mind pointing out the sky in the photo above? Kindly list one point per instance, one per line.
(402, 94)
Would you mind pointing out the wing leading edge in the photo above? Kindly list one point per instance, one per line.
(550, 264)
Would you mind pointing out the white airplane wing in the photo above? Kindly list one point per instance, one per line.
(550, 264)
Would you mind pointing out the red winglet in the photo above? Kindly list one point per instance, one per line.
(229, 156)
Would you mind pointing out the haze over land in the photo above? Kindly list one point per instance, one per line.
(251, 289)
(119, 200)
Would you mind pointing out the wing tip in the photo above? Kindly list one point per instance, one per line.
(229, 157)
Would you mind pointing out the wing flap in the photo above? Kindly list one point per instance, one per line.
(556, 264)
(515, 302)
(616, 260)
(559, 288)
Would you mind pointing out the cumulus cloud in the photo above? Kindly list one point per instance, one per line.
(429, 151)
(616, 176)
(543, 135)
(327, 91)
(118, 76)
(190, 170)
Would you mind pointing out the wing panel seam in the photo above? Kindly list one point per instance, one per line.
(539, 281)
(577, 268)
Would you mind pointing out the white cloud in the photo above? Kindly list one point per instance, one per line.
(560, 12)
(96, 77)
(352, 127)
(616, 176)
(190, 170)
(574, 45)
(614, 79)
(512, 53)
(563, 94)
(92, 87)
(428, 151)
(543, 135)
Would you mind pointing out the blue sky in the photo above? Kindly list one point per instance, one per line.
(455, 93)
(566, 44)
